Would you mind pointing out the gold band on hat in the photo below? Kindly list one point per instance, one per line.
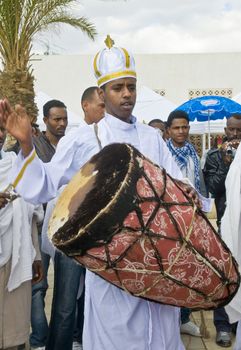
(97, 72)
(127, 57)
(116, 75)
(121, 66)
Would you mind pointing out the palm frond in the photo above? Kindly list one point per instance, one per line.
(20, 21)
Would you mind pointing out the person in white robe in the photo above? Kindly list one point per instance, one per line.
(114, 320)
(18, 232)
(231, 233)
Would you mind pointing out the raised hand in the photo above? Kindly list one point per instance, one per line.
(228, 150)
(15, 120)
(17, 123)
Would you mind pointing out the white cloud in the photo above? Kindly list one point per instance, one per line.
(154, 26)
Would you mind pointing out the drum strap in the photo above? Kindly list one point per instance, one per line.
(97, 137)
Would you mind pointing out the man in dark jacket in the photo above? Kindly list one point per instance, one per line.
(215, 171)
(56, 121)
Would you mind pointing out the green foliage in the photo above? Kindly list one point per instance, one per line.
(20, 21)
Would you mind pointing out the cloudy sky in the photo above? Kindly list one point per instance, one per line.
(152, 26)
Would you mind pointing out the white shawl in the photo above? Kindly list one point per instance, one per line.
(231, 226)
(15, 232)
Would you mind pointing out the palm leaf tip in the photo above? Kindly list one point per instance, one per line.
(86, 26)
(81, 23)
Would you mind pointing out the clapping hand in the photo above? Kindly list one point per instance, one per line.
(17, 123)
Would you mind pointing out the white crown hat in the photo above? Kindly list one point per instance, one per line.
(113, 63)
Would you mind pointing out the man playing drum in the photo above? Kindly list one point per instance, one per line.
(114, 320)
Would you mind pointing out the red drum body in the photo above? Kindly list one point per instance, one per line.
(128, 221)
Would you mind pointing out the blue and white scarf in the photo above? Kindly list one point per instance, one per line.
(181, 155)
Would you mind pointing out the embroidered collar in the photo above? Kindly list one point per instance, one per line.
(119, 124)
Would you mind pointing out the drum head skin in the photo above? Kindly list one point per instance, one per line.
(128, 221)
(95, 190)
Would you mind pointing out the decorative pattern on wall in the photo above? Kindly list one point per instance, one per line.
(161, 92)
(196, 140)
(226, 92)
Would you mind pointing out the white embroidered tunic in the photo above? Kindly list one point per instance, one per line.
(114, 320)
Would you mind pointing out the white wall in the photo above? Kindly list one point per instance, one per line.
(177, 73)
(65, 77)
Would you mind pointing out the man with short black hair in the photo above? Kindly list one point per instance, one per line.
(92, 105)
(187, 159)
(56, 120)
(161, 125)
(60, 331)
(183, 151)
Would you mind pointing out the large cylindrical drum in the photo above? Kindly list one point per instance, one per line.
(128, 221)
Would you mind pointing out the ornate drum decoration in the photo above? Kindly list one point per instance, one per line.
(128, 221)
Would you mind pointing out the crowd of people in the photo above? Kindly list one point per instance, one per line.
(86, 310)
